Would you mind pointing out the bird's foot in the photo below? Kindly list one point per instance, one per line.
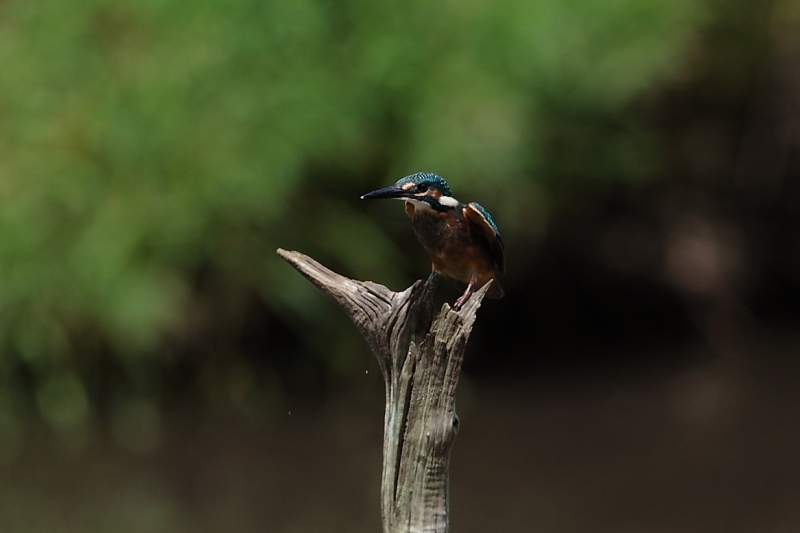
(464, 297)
(462, 300)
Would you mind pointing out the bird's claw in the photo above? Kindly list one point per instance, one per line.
(461, 301)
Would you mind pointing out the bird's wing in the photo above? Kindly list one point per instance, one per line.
(481, 219)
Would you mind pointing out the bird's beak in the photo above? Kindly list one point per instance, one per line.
(391, 191)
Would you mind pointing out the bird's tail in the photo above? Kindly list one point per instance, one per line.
(495, 291)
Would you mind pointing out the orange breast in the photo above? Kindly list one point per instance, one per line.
(454, 248)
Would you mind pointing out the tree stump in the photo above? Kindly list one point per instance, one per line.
(420, 355)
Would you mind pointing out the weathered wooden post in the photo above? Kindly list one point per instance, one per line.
(420, 356)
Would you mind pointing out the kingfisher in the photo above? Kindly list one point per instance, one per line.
(462, 240)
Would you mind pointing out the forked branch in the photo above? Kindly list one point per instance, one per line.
(420, 354)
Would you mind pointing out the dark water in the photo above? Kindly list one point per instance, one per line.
(711, 446)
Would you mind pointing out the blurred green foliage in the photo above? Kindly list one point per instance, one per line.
(148, 145)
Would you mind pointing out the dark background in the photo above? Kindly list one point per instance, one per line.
(161, 369)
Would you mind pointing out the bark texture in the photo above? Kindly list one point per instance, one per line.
(420, 352)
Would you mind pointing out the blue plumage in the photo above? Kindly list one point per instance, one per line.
(486, 215)
(428, 178)
(462, 240)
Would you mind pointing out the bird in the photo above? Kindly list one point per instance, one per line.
(462, 240)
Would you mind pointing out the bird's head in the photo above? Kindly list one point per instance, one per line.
(423, 189)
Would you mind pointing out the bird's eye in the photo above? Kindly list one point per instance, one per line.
(422, 187)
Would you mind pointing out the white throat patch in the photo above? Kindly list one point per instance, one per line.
(449, 201)
(418, 204)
